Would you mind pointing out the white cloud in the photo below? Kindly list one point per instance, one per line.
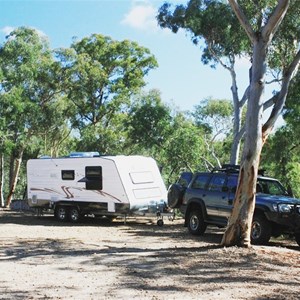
(142, 16)
(40, 33)
(7, 30)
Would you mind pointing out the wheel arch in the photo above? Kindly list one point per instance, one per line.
(193, 204)
(261, 210)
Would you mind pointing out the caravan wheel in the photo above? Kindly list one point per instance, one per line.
(60, 213)
(74, 214)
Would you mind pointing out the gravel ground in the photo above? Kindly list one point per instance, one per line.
(41, 258)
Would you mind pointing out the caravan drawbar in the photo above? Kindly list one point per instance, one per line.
(107, 186)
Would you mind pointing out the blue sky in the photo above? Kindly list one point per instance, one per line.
(181, 77)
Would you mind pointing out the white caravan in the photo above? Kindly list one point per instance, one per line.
(103, 186)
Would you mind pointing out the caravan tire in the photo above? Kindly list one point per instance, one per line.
(61, 213)
(73, 214)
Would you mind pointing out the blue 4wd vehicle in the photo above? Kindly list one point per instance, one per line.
(206, 198)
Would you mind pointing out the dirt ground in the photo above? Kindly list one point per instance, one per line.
(41, 258)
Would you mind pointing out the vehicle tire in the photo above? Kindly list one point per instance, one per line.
(74, 214)
(61, 213)
(160, 223)
(196, 224)
(175, 195)
(261, 230)
(297, 238)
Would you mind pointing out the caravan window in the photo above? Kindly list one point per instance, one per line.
(93, 177)
(67, 174)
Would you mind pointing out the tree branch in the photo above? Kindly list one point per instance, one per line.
(211, 50)
(281, 96)
(275, 19)
(245, 97)
(243, 19)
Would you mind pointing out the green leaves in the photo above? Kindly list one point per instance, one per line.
(149, 120)
(212, 22)
(102, 75)
(214, 115)
(30, 87)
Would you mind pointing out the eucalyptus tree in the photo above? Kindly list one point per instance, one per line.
(280, 155)
(171, 137)
(276, 53)
(110, 140)
(29, 84)
(185, 149)
(149, 121)
(102, 74)
(213, 26)
(215, 116)
(262, 22)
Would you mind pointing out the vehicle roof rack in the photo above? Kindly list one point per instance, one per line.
(228, 168)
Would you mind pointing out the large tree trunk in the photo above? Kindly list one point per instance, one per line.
(1, 179)
(15, 176)
(239, 225)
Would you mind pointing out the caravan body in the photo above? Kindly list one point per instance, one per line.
(106, 185)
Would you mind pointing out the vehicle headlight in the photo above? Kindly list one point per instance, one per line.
(285, 208)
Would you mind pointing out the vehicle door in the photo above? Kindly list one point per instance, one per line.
(197, 188)
(226, 201)
(215, 194)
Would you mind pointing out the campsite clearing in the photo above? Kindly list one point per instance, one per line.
(41, 258)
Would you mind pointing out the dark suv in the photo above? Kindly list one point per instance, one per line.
(206, 198)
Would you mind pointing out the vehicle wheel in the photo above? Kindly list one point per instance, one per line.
(297, 238)
(175, 195)
(196, 224)
(74, 214)
(160, 222)
(261, 230)
(61, 213)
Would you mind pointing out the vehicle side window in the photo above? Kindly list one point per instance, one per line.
(232, 183)
(271, 187)
(274, 190)
(67, 174)
(200, 181)
(216, 183)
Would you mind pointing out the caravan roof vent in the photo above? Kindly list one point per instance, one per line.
(84, 154)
